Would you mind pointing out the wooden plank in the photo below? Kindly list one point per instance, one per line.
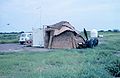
(51, 38)
(50, 42)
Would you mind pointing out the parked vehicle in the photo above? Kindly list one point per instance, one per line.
(25, 38)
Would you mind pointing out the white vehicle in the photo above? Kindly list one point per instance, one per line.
(25, 37)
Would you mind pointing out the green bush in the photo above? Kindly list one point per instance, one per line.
(8, 38)
(114, 68)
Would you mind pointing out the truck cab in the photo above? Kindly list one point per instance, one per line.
(25, 37)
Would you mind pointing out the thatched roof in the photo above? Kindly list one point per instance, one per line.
(62, 27)
(61, 24)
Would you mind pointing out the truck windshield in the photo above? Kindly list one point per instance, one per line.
(23, 35)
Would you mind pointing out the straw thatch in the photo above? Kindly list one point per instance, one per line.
(62, 35)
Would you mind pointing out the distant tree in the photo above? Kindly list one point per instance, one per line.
(1, 33)
(115, 30)
(13, 32)
(109, 30)
(101, 31)
(21, 32)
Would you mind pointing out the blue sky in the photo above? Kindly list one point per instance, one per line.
(18, 15)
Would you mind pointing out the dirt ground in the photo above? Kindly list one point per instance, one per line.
(17, 47)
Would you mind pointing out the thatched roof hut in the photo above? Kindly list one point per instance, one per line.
(62, 35)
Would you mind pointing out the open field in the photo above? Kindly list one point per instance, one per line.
(9, 38)
(102, 61)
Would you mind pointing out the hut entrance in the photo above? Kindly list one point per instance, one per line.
(49, 38)
(48, 35)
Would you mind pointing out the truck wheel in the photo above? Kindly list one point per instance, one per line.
(21, 43)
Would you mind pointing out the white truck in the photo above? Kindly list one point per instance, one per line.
(25, 38)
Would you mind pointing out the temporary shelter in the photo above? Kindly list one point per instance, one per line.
(38, 37)
(62, 35)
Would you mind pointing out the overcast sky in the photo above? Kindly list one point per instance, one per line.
(18, 15)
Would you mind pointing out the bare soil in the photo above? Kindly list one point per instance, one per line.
(17, 47)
